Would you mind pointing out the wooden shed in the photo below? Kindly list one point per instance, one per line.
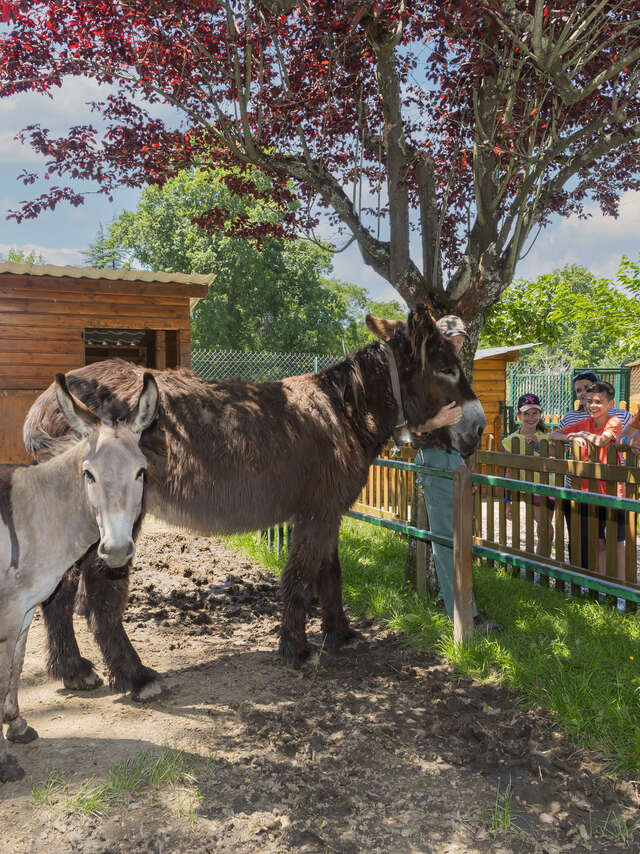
(634, 386)
(490, 382)
(58, 318)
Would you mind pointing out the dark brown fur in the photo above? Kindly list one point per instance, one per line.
(238, 456)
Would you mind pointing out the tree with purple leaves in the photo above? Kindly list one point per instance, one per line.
(451, 130)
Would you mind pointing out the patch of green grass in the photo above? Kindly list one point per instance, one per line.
(503, 811)
(144, 771)
(47, 791)
(614, 827)
(579, 659)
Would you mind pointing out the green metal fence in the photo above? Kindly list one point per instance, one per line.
(257, 367)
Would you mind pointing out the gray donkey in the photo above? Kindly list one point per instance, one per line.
(51, 514)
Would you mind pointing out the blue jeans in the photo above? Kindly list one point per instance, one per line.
(438, 499)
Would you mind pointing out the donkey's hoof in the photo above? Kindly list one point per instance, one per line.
(29, 734)
(10, 771)
(149, 690)
(293, 654)
(340, 637)
(83, 681)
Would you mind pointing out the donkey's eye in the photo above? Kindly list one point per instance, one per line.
(448, 372)
(140, 474)
(88, 476)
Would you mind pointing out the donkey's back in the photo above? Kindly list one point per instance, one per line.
(232, 455)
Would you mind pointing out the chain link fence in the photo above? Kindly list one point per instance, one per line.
(256, 367)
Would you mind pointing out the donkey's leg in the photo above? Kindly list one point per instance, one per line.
(297, 581)
(19, 730)
(64, 660)
(335, 625)
(106, 600)
(9, 768)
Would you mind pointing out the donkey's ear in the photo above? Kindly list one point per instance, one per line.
(381, 327)
(81, 419)
(421, 327)
(145, 412)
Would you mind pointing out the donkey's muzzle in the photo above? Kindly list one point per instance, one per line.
(467, 432)
(116, 555)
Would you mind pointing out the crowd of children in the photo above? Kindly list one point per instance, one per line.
(596, 423)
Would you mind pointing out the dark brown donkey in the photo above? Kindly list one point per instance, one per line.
(238, 456)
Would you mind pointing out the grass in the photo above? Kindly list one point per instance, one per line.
(144, 771)
(47, 791)
(503, 812)
(579, 659)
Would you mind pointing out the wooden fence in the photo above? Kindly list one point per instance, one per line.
(389, 492)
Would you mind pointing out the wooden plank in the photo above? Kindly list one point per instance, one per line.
(558, 480)
(104, 286)
(631, 534)
(462, 555)
(20, 360)
(91, 321)
(97, 306)
(528, 518)
(570, 467)
(385, 489)
(592, 523)
(490, 500)
(54, 364)
(422, 552)
(17, 348)
(515, 508)
(88, 294)
(544, 543)
(10, 383)
(363, 507)
(40, 333)
(611, 525)
(160, 354)
(13, 410)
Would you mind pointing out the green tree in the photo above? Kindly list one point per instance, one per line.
(105, 254)
(19, 256)
(586, 321)
(272, 296)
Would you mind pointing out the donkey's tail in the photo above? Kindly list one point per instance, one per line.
(41, 446)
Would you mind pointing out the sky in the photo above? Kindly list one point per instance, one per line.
(60, 236)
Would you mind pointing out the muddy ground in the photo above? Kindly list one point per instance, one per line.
(374, 749)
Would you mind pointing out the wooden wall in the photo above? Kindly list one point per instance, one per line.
(490, 385)
(42, 323)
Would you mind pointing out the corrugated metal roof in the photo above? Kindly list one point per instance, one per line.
(107, 273)
(488, 352)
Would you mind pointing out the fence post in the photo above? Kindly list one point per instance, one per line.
(422, 552)
(462, 554)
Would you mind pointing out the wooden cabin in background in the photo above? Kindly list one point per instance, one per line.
(490, 382)
(59, 318)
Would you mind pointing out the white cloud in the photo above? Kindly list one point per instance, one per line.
(61, 256)
(597, 243)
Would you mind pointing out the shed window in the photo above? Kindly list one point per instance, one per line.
(148, 347)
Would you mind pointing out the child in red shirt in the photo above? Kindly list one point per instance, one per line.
(599, 429)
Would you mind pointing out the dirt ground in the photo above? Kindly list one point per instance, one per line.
(374, 749)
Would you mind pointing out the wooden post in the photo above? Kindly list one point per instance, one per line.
(422, 550)
(160, 350)
(462, 554)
